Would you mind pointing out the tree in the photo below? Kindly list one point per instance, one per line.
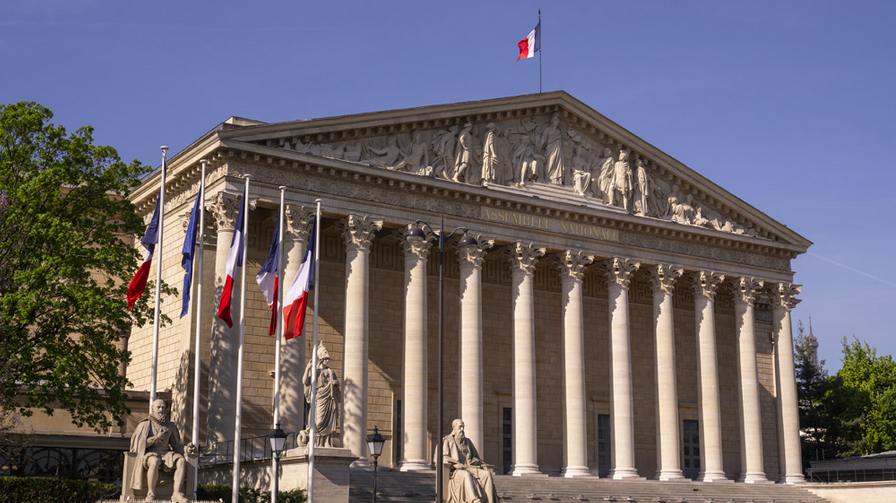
(812, 386)
(64, 268)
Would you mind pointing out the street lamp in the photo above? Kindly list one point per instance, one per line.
(278, 441)
(423, 229)
(375, 445)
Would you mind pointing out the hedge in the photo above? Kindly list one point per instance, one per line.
(247, 495)
(38, 489)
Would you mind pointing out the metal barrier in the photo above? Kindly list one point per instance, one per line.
(853, 475)
(251, 449)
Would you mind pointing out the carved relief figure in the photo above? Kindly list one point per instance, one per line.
(552, 142)
(642, 189)
(418, 158)
(621, 187)
(443, 144)
(526, 163)
(463, 159)
(470, 480)
(386, 156)
(605, 179)
(489, 156)
(504, 172)
(328, 395)
(581, 174)
(158, 447)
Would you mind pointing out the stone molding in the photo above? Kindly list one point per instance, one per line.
(663, 277)
(523, 257)
(706, 283)
(572, 264)
(619, 271)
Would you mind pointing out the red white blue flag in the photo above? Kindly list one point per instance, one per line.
(150, 239)
(296, 299)
(189, 253)
(531, 44)
(268, 277)
(234, 260)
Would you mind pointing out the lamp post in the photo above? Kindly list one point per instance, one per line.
(278, 441)
(375, 446)
(425, 229)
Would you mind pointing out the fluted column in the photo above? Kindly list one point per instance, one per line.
(358, 232)
(622, 439)
(784, 300)
(292, 352)
(575, 429)
(470, 258)
(525, 427)
(222, 357)
(414, 377)
(663, 278)
(748, 397)
(705, 285)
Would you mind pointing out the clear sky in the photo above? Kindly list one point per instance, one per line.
(788, 105)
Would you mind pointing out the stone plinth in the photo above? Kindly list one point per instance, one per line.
(165, 486)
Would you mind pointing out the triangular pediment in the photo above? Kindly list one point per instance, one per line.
(546, 145)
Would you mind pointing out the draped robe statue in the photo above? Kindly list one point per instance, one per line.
(328, 393)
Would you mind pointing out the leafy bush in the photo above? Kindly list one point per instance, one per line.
(33, 489)
(248, 495)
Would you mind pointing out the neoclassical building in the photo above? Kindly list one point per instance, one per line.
(608, 312)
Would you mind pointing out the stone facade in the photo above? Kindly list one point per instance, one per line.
(583, 305)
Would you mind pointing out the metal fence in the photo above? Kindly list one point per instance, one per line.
(251, 449)
(853, 475)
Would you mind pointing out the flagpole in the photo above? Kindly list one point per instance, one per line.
(155, 324)
(539, 52)
(197, 367)
(275, 459)
(311, 427)
(239, 365)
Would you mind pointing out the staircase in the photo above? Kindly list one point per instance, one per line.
(420, 488)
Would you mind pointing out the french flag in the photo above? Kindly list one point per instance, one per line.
(268, 278)
(189, 253)
(234, 260)
(150, 239)
(531, 44)
(297, 296)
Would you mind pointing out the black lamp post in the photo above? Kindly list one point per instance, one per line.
(424, 230)
(278, 442)
(375, 446)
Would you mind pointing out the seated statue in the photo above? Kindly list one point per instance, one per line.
(470, 480)
(158, 447)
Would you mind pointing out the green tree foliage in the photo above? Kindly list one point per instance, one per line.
(64, 267)
(812, 385)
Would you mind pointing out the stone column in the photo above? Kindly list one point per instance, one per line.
(705, 285)
(414, 377)
(470, 258)
(525, 427)
(222, 357)
(575, 428)
(668, 452)
(784, 300)
(358, 232)
(748, 397)
(292, 352)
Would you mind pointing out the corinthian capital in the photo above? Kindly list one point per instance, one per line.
(474, 254)
(358, 231)
(746, 289)
(572, 264)
(784, 295)
(706, 283)
(224, 208)
(523, 256)
(663, 277)
(414, 246)
(619, 270)
(298, 221)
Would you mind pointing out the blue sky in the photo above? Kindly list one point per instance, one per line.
(788, 105)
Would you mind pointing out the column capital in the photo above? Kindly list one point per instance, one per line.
(784, 295)
(746, 290)
(224, 208)
(358, 231)
(572, 264)
(663, 277)
(415, 247)
(298, 221)
(523, 256)
(474, 254)
(619, 271)
(706, 283)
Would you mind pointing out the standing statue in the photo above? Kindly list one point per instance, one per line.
(158, 447)
(504, 173)
(469, 478)
(463, 158)
(605, 176)
(621, 187)
(528, 165)
(642, 191)
(443, 144)
(326, 401)
(489, 156)
(552, 142)
(581, 174)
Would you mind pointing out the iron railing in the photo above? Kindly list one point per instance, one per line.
(851, 475)
(251, 449)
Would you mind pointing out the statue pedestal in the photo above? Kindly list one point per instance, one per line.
(165, 486)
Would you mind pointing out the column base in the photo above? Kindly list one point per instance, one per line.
(526, 470)
(754, 478)
(713, 476)
(669, 475)
(792, 479)
(415, 465)
(625, 474)
(575, 471)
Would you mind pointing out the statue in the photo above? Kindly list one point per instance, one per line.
(504, 174)
(443, 144)
(552, 142)
(469, 478)
(621, 186)
(489, 156)
(605, 176)
(158, 447)
(463, 158)
(385, 156)
(418, 159)
(643, 189)
(581, 174)
(527, 164)
(328, 395)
